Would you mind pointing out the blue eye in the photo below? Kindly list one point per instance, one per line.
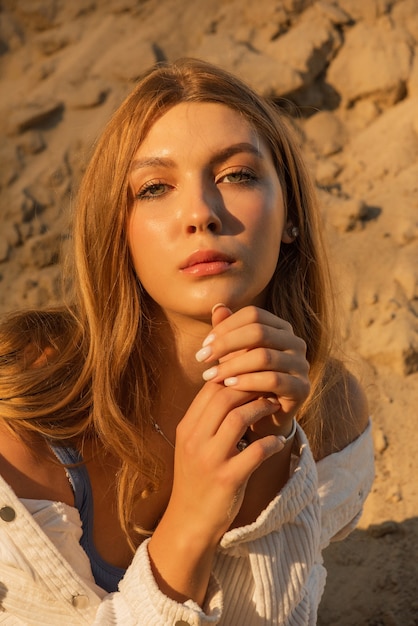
(151, 190)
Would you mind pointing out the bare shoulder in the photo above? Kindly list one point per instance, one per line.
(31, 469)
(359, 407)
(347, 413)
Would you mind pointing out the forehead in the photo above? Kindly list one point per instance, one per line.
(189, 124)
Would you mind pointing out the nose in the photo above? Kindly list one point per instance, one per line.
(203, 210)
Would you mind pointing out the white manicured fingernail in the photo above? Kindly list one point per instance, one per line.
(273, 399)
(208, 340)
(210, 373)
(217, 306)
(231, 381)
(282, 441)
(203, 354)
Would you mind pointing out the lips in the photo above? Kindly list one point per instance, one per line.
(207, 262)
(206, 256)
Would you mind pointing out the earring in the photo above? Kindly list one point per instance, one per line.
(293, 232)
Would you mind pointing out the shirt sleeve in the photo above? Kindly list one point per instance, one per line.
(270, 567)
(31, 567)
(139, 601)
(280, 575)
(277, 558)
(344, 481)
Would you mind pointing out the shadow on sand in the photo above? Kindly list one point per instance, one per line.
(373, 577)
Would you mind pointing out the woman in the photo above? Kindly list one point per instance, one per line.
(175, 395)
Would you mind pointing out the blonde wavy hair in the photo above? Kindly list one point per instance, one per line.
(103, 373)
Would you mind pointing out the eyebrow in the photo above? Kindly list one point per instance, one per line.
(218, 157)
(237, 148)
(151, 162)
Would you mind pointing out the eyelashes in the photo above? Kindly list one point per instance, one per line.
(152, 189)
(157, 188)
(238, 177)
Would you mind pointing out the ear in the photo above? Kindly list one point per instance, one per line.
(290, 233)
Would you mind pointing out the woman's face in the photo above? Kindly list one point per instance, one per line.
(208, 216)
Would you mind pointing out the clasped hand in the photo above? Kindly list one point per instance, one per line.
(258, 352)
(257, 378)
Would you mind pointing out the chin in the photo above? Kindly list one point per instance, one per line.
(199, 306)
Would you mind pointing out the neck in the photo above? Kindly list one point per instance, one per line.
(180, 375)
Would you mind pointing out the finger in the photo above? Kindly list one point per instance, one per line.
(247, 461)
(290, 390)
(278, 383)
(208, 410)
(220, 312)
(226, 323)
(250, 315)
(235, 424)
(217, 345)
(258, 360)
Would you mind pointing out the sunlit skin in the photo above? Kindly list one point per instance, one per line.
(208, 215)
(205, 227)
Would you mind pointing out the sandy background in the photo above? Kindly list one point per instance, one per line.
(350, 70)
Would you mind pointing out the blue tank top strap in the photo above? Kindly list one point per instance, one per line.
(105, 575)
(78, 476)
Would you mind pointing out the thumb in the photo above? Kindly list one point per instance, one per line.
(219, 313)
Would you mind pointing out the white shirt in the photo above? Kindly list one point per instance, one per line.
(268, 573)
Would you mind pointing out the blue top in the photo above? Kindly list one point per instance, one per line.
(105, 575)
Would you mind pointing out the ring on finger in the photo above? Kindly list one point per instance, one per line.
(242, 444)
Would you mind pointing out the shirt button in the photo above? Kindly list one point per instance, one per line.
(182, 623)
(80, 602)
(7, 514)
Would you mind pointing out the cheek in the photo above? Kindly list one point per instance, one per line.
(275, 223)
(267, 226)
(133, 237)
(139, 244)
(269, 240)
(149, 249)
